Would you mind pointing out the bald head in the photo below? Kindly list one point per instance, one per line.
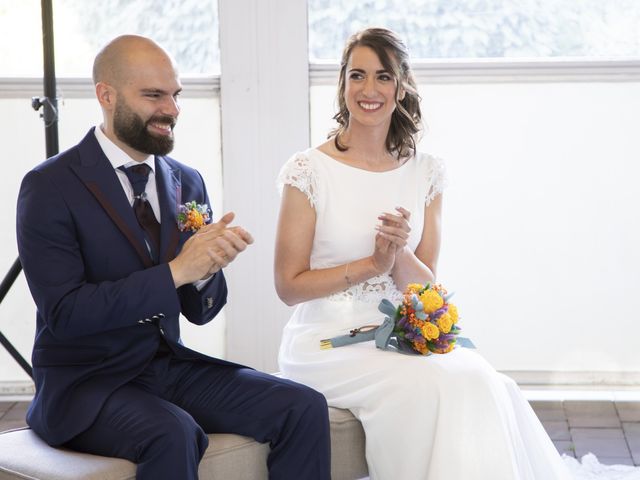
(114, 63)
(137, 86)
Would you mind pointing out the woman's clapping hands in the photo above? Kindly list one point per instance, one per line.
(392, 236)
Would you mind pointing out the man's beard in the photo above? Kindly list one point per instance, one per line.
(132, 130)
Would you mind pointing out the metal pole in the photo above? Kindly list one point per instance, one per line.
(50, 103)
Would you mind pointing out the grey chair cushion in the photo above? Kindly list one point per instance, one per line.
(23, 455)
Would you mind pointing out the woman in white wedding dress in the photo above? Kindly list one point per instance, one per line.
(360, 218)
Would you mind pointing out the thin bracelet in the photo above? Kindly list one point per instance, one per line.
(346, 275)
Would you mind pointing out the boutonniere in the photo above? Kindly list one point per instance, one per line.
(193, 216)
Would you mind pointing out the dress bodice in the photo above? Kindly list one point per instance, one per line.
(348, 200)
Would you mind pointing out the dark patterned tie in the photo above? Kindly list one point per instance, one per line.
(138, 176)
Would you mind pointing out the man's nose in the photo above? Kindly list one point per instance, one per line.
(171, 107)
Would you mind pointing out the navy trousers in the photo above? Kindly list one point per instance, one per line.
(161, 419)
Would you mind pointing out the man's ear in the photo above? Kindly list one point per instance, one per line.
(106, 95)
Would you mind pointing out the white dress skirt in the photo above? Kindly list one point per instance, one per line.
(437, 417)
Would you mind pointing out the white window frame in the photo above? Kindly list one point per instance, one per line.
(503, 70)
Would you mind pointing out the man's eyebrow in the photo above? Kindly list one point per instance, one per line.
(159, 90)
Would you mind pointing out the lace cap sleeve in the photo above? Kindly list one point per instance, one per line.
(298, 172)
(436, 175)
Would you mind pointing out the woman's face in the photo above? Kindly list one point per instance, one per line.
(370, 90)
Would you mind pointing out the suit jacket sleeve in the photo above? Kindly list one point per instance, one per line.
(200, 306)
(52, 247)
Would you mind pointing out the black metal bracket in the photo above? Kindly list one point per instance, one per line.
(49, 113)
(6, 284)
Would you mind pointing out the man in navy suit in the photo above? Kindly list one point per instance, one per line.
(112, 375)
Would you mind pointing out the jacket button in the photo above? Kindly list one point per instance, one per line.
(209, 302)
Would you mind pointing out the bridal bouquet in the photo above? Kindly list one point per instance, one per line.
(425, 322)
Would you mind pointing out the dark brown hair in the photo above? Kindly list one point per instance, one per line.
(406, 118)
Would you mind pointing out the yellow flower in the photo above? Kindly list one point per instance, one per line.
(445, 322)
(453, 312)
(430, 331)
(414, 288)
(431, 301)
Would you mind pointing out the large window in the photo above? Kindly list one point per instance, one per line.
(467, 29)
(187, 28)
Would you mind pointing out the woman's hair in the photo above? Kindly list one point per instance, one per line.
(406, 118)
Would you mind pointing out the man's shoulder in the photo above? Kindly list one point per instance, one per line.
(68, 156)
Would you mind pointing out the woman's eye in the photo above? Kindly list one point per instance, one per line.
(384, 77)
(355, 76)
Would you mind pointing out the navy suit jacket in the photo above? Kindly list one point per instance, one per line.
(102, 306)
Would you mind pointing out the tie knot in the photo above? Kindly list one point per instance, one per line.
(138, 176)
(143, 169)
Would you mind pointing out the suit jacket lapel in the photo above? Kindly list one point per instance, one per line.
(169, 187)
(97, 174)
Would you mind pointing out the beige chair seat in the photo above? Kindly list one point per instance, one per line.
(23, 455)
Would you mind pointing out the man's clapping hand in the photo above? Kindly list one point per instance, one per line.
(211, 248)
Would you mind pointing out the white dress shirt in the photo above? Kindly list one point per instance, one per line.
(119, 158)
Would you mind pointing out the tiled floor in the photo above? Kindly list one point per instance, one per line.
(608, 429)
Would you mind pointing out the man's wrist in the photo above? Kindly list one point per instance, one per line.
(178, 281)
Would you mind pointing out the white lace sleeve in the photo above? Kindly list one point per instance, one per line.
(299, 172)
(436, 178)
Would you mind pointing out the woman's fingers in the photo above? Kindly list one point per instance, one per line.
(404, 212)
(393, 234)
(395, 227)
(399, 221)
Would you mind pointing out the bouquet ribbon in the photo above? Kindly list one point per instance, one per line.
(382, 334)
